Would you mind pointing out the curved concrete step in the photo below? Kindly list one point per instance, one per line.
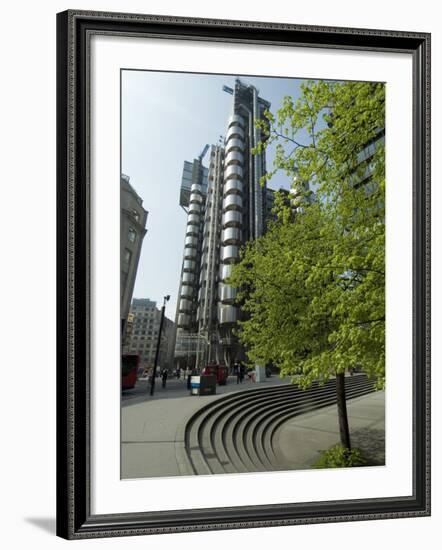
(220, 430)
(197, 447)
(235, 433)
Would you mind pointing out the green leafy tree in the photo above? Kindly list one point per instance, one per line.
(313, 287)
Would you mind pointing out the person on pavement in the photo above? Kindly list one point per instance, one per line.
(188, 376)
(242, 370)
(164, 377)
(237, 371)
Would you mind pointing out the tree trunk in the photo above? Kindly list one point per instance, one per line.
(342, 410)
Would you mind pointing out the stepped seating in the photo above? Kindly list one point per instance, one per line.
(236, 433)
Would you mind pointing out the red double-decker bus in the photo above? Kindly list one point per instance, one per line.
(129, 370)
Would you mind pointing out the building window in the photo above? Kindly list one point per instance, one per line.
(135, 215)
(132, 235)
(127, 255)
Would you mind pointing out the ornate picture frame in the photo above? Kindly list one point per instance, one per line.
(75, 517)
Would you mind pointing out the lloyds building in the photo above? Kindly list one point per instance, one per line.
(226, 206)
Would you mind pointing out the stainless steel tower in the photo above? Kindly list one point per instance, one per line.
(220, 220)
(243, 207)
(193, 194)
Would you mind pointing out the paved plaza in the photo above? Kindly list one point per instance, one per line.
(152, 427)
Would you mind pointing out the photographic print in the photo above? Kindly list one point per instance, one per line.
(252, 250)
(243, 272)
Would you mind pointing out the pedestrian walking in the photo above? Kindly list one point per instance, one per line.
(164, 377)
(242, 370)
(149, 376)
(237, 371)
(188, 377)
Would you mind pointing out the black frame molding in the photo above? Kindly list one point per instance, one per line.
(74, 519)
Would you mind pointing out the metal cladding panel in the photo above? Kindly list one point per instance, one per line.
(236, 119)
(185, 305)
(193, 219)
(194, 208)
(189, 265)
(196, 197)
(233, 186)
(227, 314)
(196, 188)
(234, 144)
(231, 235)
(190, 253)
(191, 240)
(233, 171)
(229, 253)
(186, 291)
(188, 277)
(183, 320)
(235, 131)
(232, 201)
(192, 230)
(232, 218)
(225, 271)
(226, 293)
(234, 157)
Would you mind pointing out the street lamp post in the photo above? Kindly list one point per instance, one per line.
(157, 353)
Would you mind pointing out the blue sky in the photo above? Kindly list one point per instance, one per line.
(167, 118)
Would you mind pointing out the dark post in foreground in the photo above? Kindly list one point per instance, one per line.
(157, 353)
(342, 410)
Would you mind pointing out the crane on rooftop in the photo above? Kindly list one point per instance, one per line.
(203, 152)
